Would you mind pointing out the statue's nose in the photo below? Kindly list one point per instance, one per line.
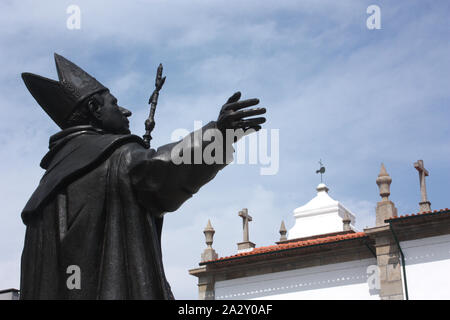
(125, 112)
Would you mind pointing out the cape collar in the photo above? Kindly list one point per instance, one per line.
(64, 133)
(73, 153)
(60, 139)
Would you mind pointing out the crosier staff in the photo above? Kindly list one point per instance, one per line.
(153, 101)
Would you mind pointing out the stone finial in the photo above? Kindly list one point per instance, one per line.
(424, 205)
(246, 244)
(384, 183)
(209, 253)
(322, 187)
(346, 222)
(209, 234)
(385, 208)
(283, 231)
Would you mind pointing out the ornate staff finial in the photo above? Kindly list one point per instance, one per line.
(321, 170)
(153, 101)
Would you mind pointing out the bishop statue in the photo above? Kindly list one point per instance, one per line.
(100, 205)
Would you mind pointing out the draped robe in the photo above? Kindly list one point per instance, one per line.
(100, 207)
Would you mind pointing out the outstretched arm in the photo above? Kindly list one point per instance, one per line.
(164, 183)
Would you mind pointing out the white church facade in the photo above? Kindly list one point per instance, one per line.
(324, 257)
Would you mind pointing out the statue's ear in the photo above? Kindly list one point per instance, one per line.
(94, 108)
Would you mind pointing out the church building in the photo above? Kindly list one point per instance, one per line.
(323, 256)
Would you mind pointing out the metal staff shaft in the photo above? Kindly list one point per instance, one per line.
(153, 101)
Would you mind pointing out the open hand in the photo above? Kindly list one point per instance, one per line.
(233, 113)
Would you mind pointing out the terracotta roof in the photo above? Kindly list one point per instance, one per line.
(289, 246)
(317, 236)
(419, 214)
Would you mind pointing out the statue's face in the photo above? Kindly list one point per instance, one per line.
(113, 118)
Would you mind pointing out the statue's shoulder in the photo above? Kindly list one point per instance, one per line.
(124, 143)
(132, 151)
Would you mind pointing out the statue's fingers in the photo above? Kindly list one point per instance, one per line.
(235, 97)
(252, 129)
(248, 122)
(241, 104)
(247, 131)
(246, 113)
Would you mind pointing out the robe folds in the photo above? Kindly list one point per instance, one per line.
(99, 210)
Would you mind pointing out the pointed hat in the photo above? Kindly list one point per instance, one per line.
(59, 99)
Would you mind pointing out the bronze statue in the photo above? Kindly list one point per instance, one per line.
(100, 204)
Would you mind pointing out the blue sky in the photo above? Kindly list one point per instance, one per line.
(336, 91)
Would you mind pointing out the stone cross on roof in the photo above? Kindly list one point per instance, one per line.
(245, 219)
(424, 205)
(245, 245)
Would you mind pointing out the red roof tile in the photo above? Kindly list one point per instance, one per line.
(412, 215)
(290, 245)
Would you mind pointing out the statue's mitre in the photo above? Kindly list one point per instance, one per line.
(60, 98)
